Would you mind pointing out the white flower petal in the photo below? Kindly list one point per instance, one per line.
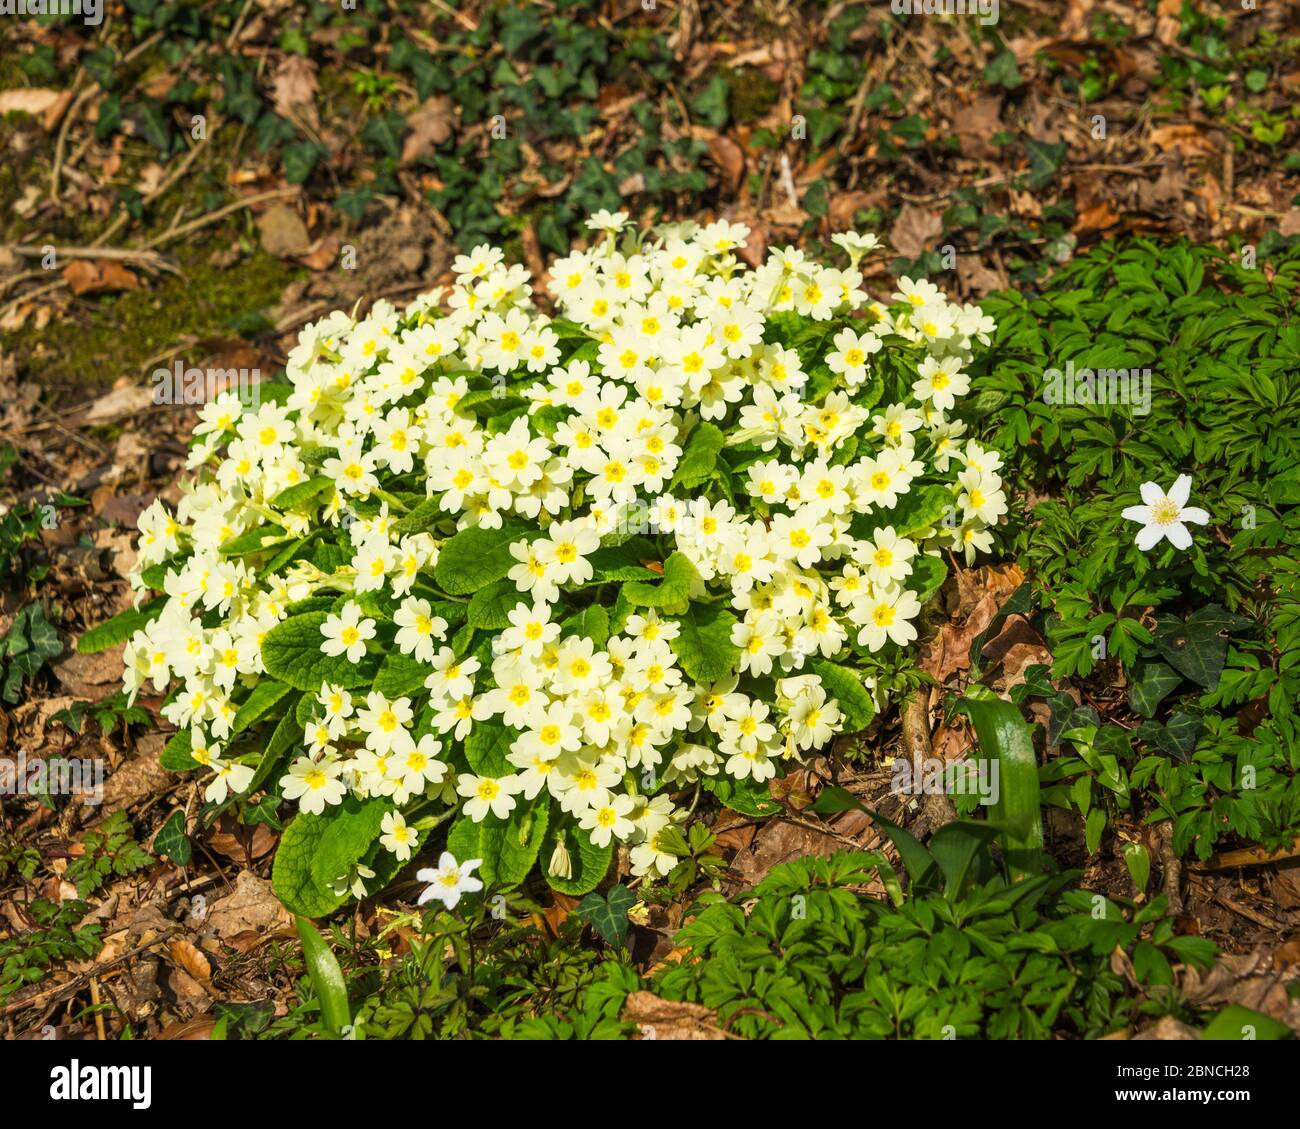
(1148, 535)
(1151, 493)
(1181, 490)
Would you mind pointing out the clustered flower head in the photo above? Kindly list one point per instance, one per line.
(572, 432)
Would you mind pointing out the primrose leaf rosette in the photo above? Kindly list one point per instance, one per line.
(541, 578)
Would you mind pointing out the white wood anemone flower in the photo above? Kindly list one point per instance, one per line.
(1164, 515)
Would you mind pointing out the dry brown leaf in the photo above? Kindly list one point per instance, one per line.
(1097, 218)
(915, 230)
(195, 964)
(323, 254)
(730, 159)
(294, 90)
(91, 276)
(252, 905)
(658, 1018)
(1187, 139)
(29, 101)
(430, 126)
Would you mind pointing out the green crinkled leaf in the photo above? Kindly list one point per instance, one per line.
(282, 739)
(351, 828)
(490, 607)
(592, 622)
(623, 561)
(487, 747)
(464, 840)
(291, 874)
(291, 497)
(256, 540)
(423, 517)
(120, 628)
(590, 864)
(400, 675)
(176, 753)
(703, 645)
(260, 702)
(846, 687)
(291, 652)
(672, 592)
(510, 846)
(699, 457)
(919, 509)
(474, 558)
(928, 575)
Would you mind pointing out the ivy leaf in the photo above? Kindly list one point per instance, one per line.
(474, 558)
(291, 652)
(608, 913)
(1154, 681)
(1195, 649)
(703, 645)
(171, 841)
(1179, 735)
(384, 133)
